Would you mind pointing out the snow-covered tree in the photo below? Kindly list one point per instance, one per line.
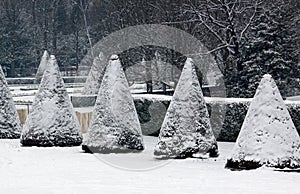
(222, 25)
(115, 126)
(42, 67)
(271, 49)
(52, 120)
(95, 76)
(161, 72)
(156, 71)
(186, 130)
(268, 135)
(10, 126)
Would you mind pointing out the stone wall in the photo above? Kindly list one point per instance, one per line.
(84, 118)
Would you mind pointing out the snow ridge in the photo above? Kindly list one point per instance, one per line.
(186, 130)
(52, 120)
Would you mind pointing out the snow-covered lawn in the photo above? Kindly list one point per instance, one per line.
(69, 170)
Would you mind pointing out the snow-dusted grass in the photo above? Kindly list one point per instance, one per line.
(152, 97)
(26, 96)
(31, 90)
(68, 170)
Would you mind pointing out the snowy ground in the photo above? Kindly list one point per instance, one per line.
(68, 170)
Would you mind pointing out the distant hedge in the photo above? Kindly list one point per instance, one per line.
(227, 121)
(235, 113)
(227, 115)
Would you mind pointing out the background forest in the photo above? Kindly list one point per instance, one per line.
(248, 38)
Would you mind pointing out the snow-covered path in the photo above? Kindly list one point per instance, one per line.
(68, 170)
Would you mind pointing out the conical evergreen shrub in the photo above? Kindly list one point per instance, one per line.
(186, 130)
(115, 126)
(10, 126)
(268, 135)
(52, 120)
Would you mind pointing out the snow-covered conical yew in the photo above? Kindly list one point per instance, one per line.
(52, 120)
(10, 126)
(95, 76)
(186, 130)
(42, 67)
(115, 126)
(268, 135)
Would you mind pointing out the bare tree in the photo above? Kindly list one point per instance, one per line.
(227, 21)
(83, 6)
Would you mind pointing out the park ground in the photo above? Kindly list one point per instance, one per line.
(69, 170)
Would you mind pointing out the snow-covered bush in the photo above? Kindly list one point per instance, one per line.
(268, 135)
(151, 111)
(115, 126)
(229, 114)
(42, 67)
(95, 76)
(294, 110)
(52, 120)
(10, 126)
(186, 130)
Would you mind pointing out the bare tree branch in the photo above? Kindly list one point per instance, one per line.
(250, 21)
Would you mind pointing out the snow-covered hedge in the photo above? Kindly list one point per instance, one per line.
(227, 114)
(235, 112)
